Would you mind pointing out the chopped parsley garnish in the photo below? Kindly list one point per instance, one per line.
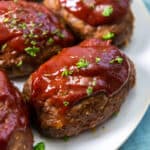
(6, 20)
(65, 103)
(22, 26)
(32, 24)
(97, 60)
(33, 42)
(118, 59)
(107, 11)
(58, 33)
(108, 36)
(94, 83)
(65, 138)
(31, 35)
(50, 41)
(35, 36)
(25, 35)
(20, 63)
(82, 63)
(39, 146)
(66, 72)
(32, 51)
(115, 113)
(13, 21)
(89, 90)
(45, 32)
(4, 46)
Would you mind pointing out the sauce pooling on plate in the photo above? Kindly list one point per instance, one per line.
(97, 12)
(78, 72)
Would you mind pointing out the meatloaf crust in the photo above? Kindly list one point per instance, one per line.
(122, 30)
(84, 115)
(31, 35)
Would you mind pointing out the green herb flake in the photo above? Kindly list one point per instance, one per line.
(94, 83)
(19, 63)
(25, 35)
(65, 138)
(22, 26)
(32, 51)
(115, 113)
(13, 21)
(6, 20)
(35, 36)
(108, 36)
(82, 63)
(58, 33)
(97, 60)
(118, 59)
(50, 41)
(45, 32)
(32, 24)
(65, 103)
(67, 72)
(31, 35)
(33, 42)
(89, 90)
(107, 11)
(39, 146)
(4, 46)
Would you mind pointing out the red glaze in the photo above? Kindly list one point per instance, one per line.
(13, 115)
(23, 22)
(91, 11)
(103, 76)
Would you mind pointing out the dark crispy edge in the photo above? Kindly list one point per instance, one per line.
(90, 112)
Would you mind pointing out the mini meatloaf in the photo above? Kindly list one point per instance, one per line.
(104, 19)
(29, 35)
(83, 89)
(15, 133)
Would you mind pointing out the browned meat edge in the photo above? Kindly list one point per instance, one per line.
(123, 30)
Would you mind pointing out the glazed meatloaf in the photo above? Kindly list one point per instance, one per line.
(30, 34)
(104, 19)
(15, 133)
(83, 89)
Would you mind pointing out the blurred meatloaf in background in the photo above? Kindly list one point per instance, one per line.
(15, 133)
(83, 89)
(104, 19)
(29, 35)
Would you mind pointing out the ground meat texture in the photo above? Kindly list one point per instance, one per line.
(30, 35)
(107, 20)
(84, 88)
(15, 133)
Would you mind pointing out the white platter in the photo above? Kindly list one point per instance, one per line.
(114, 132)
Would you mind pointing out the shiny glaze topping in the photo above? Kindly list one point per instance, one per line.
(29, 28)
(97, 12)
(13, 115)
(77, 72)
